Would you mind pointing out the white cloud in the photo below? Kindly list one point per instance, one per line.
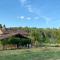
(21, 17)
(26, 5)
(24, 17)
(47, 19)
(28, 18)
(23, 2)
(34, 10)
(29, 8)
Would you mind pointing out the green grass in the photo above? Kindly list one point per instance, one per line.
(31, 54)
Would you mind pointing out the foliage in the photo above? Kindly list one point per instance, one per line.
(0, 25)
(17, 41)
(43, 35)
(37, 36)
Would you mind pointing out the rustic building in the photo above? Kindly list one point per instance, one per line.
(6, 33)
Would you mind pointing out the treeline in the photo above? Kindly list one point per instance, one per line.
(43, 36)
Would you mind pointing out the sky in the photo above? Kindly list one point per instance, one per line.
(30, 13)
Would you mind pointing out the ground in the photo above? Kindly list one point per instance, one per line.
(43, 53)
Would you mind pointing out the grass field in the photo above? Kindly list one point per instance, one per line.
(31, 54)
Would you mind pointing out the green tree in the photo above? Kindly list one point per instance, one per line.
(0, 25)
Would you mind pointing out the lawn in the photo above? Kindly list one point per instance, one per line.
(31, 54)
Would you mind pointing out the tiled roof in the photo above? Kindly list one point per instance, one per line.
(9, 33)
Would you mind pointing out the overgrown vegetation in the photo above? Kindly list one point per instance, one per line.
(43, 36)
(37, 37)
(19, 42)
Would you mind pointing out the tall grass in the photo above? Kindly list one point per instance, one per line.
(31, 54)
